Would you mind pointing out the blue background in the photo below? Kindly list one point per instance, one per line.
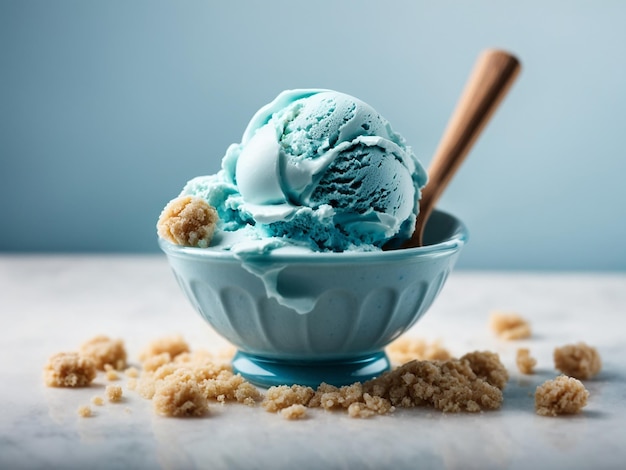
(107, 108)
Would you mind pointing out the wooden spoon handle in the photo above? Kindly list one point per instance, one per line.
(493, 74)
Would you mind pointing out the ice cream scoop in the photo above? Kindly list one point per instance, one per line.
(491, 78)
(318, 170)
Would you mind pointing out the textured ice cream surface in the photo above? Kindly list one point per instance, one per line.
(315, 169)
(363, 191)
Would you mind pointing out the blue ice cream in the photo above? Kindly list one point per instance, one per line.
(316, 170)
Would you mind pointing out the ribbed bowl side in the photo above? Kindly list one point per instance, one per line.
(357, 319)
(361, 303)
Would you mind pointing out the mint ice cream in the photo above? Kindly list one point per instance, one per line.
(316, 170)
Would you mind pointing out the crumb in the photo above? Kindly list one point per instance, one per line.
(294, 412)
(152, 363)
(114, 393)
(188, 221)
(131, 384)
(173, 345)
(358, 410)
(369, 406)
(563, 395)
(227, 386)
(509, 325)
(472, 383)
(579, 360)
(84, 411)
(282, 396)
(525, 362)
(353, 398)
(104, 350)
(202, 356)
(145, 387)
(110, 372)
(487, 366)
(132, 372)
(362, 410)
(99, 401)
(199, 356)
(405, 349)
(69, 370)
(179, 398)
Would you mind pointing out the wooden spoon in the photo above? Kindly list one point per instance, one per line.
(493, 74)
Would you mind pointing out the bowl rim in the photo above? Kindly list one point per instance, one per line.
(449, 245)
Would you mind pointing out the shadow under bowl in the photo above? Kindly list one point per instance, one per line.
(317, 317)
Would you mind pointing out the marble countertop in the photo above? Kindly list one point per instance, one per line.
(54, 303)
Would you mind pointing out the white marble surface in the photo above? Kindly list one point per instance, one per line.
(53, 303)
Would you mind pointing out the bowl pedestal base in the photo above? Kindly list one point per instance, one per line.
(268, 372)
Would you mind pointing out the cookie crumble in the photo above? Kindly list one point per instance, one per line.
(563, 395)
(114, 393)
(525, 362)
(509, 325)
(578, 360)
(188, 221)
(69, 369)
(105, 351)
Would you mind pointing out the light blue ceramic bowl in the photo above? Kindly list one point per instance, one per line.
(360, 303)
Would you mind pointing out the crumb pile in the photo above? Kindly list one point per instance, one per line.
(188, 221)
(509, 325)
(292, 402)
(472, 383)
(79, 369)
(563, 395)
(181, 383)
